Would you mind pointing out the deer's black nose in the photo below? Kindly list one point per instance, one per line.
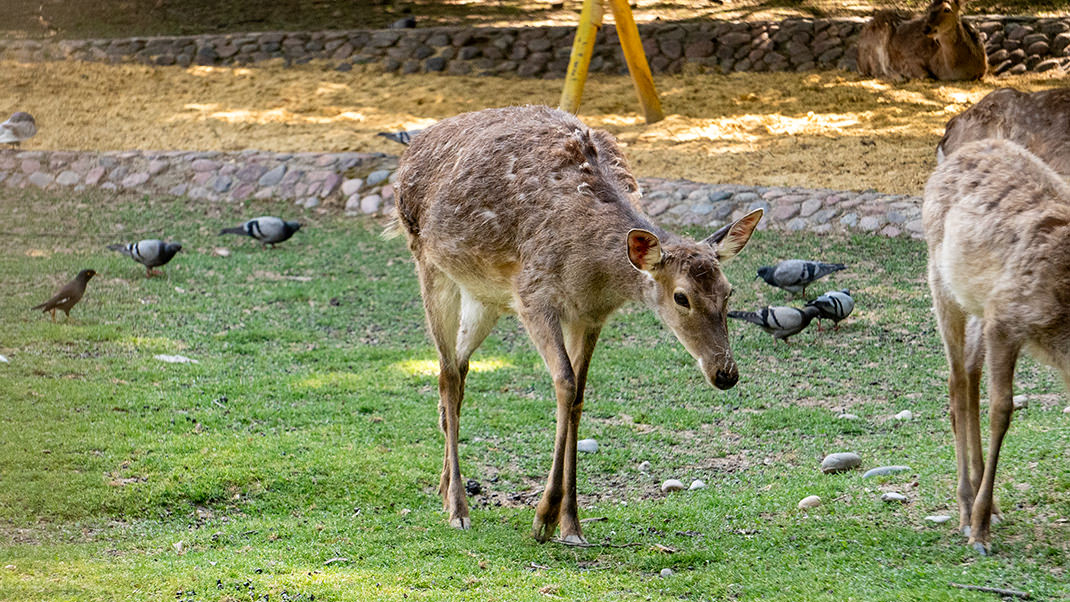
(726, 380)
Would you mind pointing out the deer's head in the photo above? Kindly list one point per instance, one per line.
(942, 16)
(690, 292)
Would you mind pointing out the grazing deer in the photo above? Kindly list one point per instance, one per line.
(525, 209)
(936, 44)
(997, 224)
(1039, 121)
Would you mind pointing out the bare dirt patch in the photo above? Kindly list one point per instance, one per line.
(818, 130)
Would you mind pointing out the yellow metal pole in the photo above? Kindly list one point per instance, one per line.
(636, 58)
(582, 47)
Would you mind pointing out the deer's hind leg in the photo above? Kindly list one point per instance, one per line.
(1002, 351)
(442, 305)
(477, 320)
(951, 321)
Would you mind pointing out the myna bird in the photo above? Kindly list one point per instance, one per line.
(150, 253)
(267, 229)
(779, 321)
(793, 275)
(67, 296)
(20, 126)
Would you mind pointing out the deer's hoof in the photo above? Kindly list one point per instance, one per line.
(542, 532)
(981, 548)
(462, 522)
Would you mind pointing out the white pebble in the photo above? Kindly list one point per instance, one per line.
(697, 484)
(221, 251)
(644, 466)
(175, 359)
(587, 446)
(1020, 402)
(3, 359)
(839, 462)
(846, 416)
(666, 572)
(938, 518)
(672, 485)
(1066, 410)
(892, 496)
(178, 545)
(905, 415)
(811, 501)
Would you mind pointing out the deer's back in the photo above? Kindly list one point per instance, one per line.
(1039, 121)
(486, 194)
(997, 224)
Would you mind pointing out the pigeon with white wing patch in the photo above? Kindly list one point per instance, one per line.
(267, 229)
(793, 275)
(402, 137)
(20, 126)
(833, 305)
(779, 321)
(151, 253)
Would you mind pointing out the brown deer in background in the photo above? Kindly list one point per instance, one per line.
(936, 44)
(997, 224)
(1039, 121)
(525, 209)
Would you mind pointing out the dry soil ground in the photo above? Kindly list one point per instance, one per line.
(820, 129)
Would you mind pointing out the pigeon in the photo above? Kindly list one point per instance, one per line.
(267, 229)
(400, 137)
(20, 126)
(793, 275)
(833, 305)
(150, 253)
(779, 321)
(67, 296)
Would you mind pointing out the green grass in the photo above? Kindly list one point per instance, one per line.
(308, 431)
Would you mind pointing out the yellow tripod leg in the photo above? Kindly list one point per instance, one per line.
(636, 58)
(580, 59)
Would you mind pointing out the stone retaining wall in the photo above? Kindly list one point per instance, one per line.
(1015, 45)
(361, 184)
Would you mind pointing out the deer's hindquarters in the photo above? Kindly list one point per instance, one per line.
(997, 226)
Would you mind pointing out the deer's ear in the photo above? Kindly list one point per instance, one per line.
(731, 239)
(644, 249)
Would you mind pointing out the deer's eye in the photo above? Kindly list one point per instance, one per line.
(681, 300)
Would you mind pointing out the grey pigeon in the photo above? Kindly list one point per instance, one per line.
(267, 229)
(793, 275)
(150, 253)
(833, 305)
(400, 137)
(20, 126)
(779, 321)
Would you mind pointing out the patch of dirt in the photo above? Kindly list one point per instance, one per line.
(104, 18)
(818, 130)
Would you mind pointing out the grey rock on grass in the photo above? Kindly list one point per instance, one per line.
(840, 462)
(884, 470)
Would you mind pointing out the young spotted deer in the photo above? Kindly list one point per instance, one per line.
(525, 209)
(936, 44)
(997, 224)
(1039, 121)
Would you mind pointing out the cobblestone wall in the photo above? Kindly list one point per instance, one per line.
(362, 184)
(1015, 45)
